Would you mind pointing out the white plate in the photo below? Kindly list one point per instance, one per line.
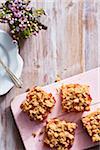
(10, 56)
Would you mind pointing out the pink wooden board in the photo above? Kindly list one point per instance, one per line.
(26, 127)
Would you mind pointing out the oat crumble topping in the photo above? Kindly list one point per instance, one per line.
(38, 104)
(57, 78)
(91, 123)
(75, 97)
(59, 134)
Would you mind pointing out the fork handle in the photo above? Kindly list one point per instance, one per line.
(15, 80)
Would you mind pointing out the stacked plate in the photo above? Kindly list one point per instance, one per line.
(11, 58)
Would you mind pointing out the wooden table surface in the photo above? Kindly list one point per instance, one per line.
(70, 45)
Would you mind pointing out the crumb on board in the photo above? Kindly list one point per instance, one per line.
(42, 131)
(39, 140)
(27, 90)
(58, 78)
(34, 134)
(58, 90)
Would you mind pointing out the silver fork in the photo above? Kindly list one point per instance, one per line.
(15, 80)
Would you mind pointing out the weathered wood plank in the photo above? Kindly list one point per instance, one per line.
(91, 33)
(98, 27)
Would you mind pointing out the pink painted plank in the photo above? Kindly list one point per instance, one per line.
(26, 127)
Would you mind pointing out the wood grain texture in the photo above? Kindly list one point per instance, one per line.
(70, 45)
(91, 33)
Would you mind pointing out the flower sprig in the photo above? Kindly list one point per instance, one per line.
(22, 19)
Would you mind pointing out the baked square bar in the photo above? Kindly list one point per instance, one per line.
(91, 123)
(59, 134)
(38, 104)
(75, 97)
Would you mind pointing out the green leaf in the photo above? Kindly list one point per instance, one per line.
(1, 15)
(39, 12)
(25, 33)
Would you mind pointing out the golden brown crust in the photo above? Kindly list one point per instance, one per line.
(38, 104)
(91, 123)
(59, 134)
(75, 97)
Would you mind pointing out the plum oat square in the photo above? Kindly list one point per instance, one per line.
(59, 134)
(91, 123)
(38, 104)
(75, 98)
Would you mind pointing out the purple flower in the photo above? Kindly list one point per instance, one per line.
(10, 6)
(20, 25)
(14, 41)
(22, 22)
(8, 16)
(25, 19)
(28, 25)
(15, 19)
(12, 31)
(25, 25)
(23, 28)
(13, 9)
(16, 1)
(17, 7)
(17, 29)
(18, 15)
(27, 22)
(28, 8)
(13, 4)
(11, 22)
